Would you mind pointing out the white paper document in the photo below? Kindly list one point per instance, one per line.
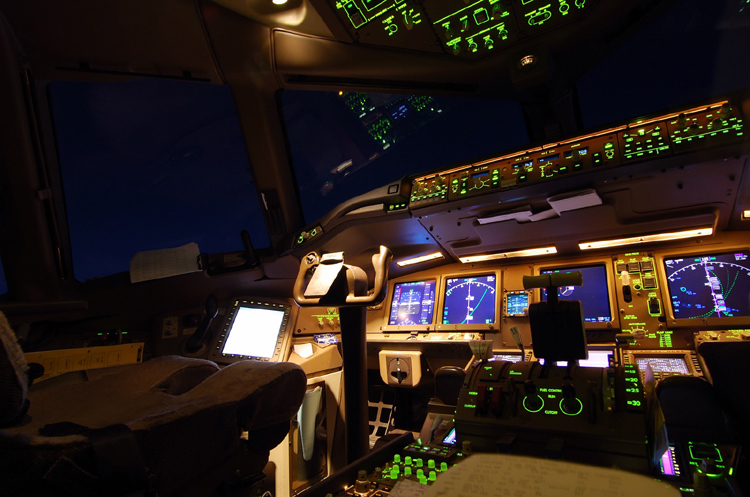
(518, 476)
(156, 264)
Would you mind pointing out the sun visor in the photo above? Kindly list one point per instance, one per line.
(558, 204)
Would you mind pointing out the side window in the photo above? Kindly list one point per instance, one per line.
(151, 164)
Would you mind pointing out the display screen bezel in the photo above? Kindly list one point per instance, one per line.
(568, 266)
(672, 319)
(468, 327)
(392, 285)
(276, 341)
(401, 284)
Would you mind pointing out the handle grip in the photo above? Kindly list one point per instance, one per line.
(380, 263)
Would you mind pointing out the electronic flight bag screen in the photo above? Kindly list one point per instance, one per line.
(254, 332)
(413, 303)
(469, 300)
(594, 294)
(709, 286)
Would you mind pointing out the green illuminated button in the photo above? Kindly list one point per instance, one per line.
(481, 16)
(431, 464)
(433, 476)
(420, 473)
(397, 458)
(407, 471)
(407, 460)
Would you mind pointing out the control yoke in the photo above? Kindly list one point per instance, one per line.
(338, 284)
(333, 283)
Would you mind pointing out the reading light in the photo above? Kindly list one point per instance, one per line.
(420, 259)
(746, 215)
(508, 255)
(658, 237)
(279, 2)
(526, 60)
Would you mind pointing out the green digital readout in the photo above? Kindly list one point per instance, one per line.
(470, 29)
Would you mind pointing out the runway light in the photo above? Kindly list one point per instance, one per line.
(420, 259)
(658, 237)
(508, 255)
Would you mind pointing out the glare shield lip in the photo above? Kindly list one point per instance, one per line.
(508, 255)
(418, 260)
(637, 240)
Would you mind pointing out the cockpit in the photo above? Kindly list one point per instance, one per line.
(451, 247)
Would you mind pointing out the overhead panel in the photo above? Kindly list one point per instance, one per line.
(698, 128)
(466, 29)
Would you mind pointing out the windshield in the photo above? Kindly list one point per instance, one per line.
(693, 51)
(151, 164)
(344, 144)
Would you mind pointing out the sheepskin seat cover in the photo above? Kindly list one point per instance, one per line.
(186, 415)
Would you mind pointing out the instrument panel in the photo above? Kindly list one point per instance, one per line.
(657, 299)
(468, 30)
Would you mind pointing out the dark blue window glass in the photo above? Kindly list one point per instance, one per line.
(151, 164)
(345, 144)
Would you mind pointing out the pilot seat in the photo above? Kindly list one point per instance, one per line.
(168, 426)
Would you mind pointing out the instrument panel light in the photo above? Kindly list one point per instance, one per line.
(418, 260)
(508, 255)
(657, 237)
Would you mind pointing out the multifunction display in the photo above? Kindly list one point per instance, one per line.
(593, 294)
(413, 303)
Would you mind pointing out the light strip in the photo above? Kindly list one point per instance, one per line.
(658, 237)
(508, 255)
(746, 215)
(420, 259)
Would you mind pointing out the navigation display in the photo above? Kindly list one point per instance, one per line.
(594, 294)
(470, 300)
(413, 303)
(709, 286)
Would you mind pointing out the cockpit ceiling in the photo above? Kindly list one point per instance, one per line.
(661, 201)
(442, 44)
